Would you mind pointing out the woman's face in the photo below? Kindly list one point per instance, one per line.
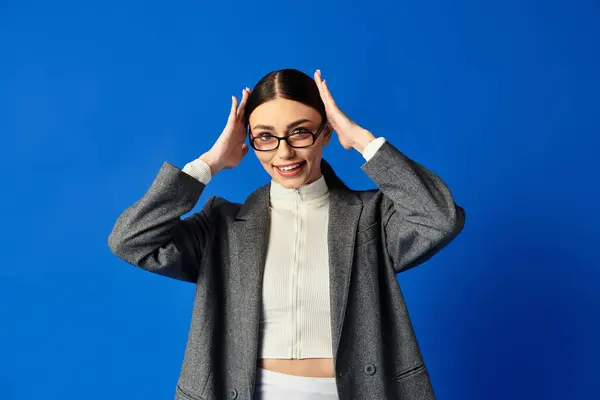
(282, 117)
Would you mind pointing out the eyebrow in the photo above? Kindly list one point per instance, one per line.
(290, 126)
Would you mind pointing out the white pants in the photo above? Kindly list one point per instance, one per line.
(276, 386)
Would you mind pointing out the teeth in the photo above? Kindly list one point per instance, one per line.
(289, 168)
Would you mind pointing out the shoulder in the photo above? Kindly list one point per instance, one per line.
(223, 207)
(373, 202)
(368, 196)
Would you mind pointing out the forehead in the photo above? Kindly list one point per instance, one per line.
(280, 112)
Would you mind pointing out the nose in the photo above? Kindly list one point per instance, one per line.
(285, 151)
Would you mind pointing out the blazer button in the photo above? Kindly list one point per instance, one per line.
(370, 369)
(233, 394)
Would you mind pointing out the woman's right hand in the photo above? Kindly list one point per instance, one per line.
(229, 149)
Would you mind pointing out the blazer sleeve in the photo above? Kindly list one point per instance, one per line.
(418, 212)
(151, 234)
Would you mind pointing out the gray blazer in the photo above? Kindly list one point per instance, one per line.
(372, 236)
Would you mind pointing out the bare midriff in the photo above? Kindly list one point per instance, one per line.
(312, 367)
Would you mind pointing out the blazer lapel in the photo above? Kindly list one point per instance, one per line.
(344, 212)
(249, 249)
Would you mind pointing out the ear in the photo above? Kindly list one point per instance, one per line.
(327, 133)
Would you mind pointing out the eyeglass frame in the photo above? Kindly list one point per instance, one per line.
(315, 136)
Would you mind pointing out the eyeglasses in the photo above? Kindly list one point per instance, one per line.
(300, 138)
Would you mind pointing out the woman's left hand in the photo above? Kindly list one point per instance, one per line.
(350, 134)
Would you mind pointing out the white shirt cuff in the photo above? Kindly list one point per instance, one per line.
(199, 170)
(372, 148)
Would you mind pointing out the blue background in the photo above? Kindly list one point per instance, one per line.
(500, 99)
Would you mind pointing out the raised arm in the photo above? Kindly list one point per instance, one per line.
(152, 235)
(419, 215)
(418, 212)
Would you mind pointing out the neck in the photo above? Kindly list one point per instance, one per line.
(309, 191)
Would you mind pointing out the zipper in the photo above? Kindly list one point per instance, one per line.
(295, 346)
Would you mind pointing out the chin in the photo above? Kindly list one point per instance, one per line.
(291, 182)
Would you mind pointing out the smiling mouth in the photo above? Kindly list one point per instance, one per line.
(291, 167)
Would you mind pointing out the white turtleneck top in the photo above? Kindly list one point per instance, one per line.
(296, 319)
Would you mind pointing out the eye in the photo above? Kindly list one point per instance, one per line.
(301, 130)
(264, 136)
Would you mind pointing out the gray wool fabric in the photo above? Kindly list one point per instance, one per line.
(372, 236)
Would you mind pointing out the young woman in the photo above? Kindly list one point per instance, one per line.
(296, 290)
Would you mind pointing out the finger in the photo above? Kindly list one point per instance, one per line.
(233, 107)
(318, 80)
(244, 149)
(327, 93)
(324, 90)
(245, 95)
(317, 76)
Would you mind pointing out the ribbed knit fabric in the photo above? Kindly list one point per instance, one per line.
(295, 321)
(296, 318)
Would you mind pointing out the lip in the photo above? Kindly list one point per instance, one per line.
(287, 165)
(292, 173)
